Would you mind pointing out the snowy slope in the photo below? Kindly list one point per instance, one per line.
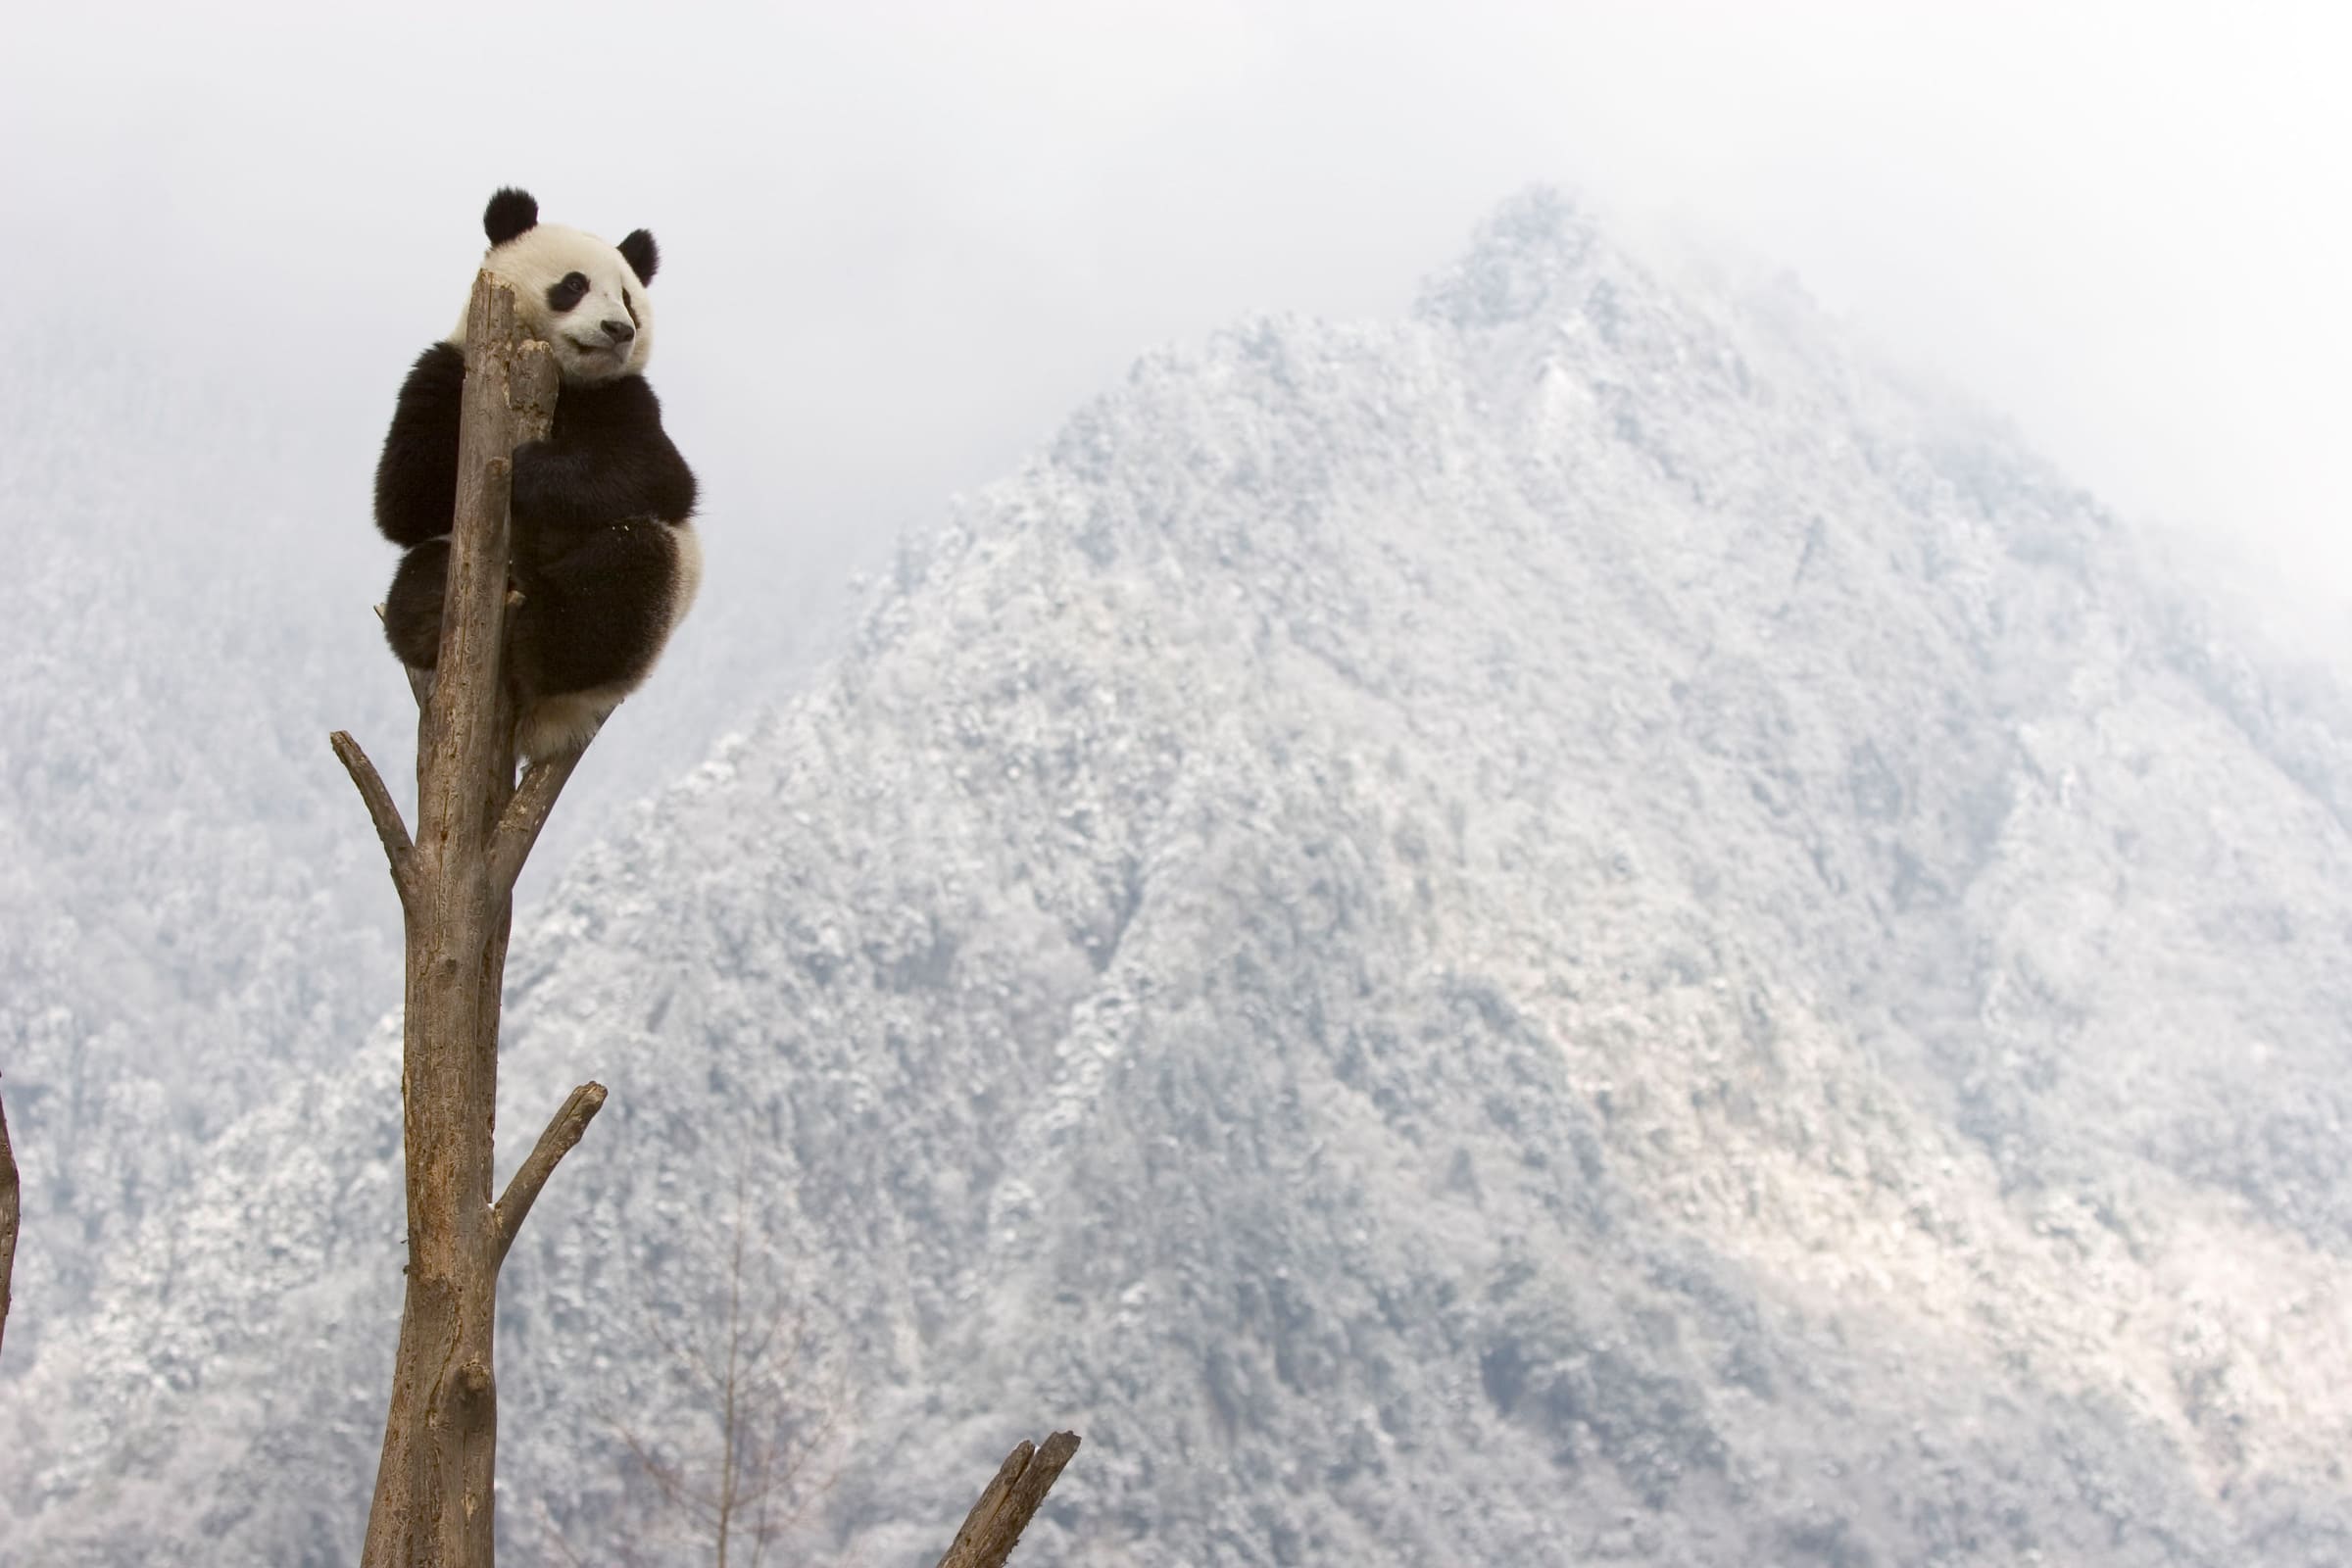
(184, 918)
(1570, 930)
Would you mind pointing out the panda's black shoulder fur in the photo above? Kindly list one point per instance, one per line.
(606, 459)
(416, 477)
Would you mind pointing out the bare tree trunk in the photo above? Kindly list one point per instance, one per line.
(752, 1382)
(435, 1495)
(10, 1200)
(433, 1485)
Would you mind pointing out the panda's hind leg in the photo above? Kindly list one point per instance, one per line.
(595, 615)
(412, 607)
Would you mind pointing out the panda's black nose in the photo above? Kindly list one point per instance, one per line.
(619, 332)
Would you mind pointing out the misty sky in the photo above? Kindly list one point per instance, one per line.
(902, 240)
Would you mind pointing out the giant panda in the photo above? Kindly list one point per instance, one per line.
(604, 554)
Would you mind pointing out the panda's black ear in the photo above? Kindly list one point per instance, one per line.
(511, 212)
(642, 254)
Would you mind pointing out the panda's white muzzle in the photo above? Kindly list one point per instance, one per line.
(604, 353)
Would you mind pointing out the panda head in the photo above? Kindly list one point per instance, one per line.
(583, 297)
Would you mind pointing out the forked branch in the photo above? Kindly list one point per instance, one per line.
(562, 1134)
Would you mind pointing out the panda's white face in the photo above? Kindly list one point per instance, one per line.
(581, 296)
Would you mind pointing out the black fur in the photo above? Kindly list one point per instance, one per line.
(416, 477)
(595, 606)
(565, 292)
(593, 505)
(641, 253)
(606, 459)
(510, 211)
(413, 607)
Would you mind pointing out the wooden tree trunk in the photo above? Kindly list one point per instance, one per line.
(435, 1493)
(433, 1485)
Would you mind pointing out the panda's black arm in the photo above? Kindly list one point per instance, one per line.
(416, 477)
(609, 458)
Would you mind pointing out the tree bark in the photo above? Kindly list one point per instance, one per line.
(11, 1195)
(433, 1485)
(1005, 1507)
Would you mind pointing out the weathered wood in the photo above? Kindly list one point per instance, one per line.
(1008, 1502)
(433, 1487)
(562, 1134)
(10, 1208)
(380, 807)
(992, 1499)
(527, 814)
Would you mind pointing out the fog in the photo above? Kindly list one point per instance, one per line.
(902, 242)
(1946, 965)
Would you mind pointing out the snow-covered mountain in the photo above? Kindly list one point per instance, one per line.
(1572, 930)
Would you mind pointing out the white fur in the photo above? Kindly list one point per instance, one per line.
(690, 572)
(540, 257)
(559, 726)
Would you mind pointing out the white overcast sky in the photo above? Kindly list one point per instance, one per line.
(901, 240)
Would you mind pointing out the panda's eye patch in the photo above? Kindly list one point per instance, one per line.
(628, 303)
(563, 295)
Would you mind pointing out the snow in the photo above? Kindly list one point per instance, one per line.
(1575, 928)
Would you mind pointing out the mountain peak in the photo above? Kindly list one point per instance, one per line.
(1495, 939)
(1520, 263)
